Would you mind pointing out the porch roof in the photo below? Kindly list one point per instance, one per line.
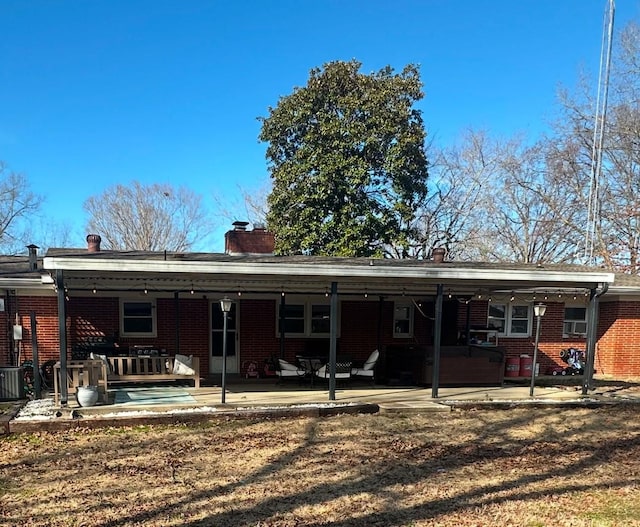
(166, 271)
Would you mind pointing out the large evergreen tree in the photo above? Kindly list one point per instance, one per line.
(347, 160)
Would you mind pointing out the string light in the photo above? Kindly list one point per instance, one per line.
(192, 291)
(145, 288)
(94, 289)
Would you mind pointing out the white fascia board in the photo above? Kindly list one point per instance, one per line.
(25, 283)
(314, 270)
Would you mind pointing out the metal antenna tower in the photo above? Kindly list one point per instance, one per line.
(593, 209)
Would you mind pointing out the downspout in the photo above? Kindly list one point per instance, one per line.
(592, 334)
(437, 336)
(62, 332)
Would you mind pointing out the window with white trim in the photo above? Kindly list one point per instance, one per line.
(510, 319)
(402, 320)
(575, 321)
(137, 318)
(306, 319)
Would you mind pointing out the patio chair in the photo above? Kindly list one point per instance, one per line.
(286, 370)
(367, 370)
(343, 371)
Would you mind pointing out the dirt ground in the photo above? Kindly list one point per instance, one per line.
(518, 467)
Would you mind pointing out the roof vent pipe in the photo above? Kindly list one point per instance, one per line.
(33, 257)
(93, 243)
(438, 254)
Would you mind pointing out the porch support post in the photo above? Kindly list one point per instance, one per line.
(283, 303)
(437, 337)
(333, 340)
(37, 385)
(592, 330)
(176, 301)
(62, 332)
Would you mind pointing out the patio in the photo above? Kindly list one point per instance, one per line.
(242, 393)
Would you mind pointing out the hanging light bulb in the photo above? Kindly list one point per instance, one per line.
(145, 288)
(192, 291)
(94, 289)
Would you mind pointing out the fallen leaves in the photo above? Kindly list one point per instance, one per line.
(519, 467)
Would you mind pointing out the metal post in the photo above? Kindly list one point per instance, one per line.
(437, 335)
(224, 357)
(283, 303)
(592, 330)
(62, 334)
(333, 332)
(225, 307)
(538, 311)
(176, 301)
(37, 386)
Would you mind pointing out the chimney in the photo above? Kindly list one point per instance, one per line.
(93, 243)
(241, 241)
(438, 254)
(33, 257)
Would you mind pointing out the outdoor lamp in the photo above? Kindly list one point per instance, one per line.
(225, 307)
(539, 311)
(225, 304)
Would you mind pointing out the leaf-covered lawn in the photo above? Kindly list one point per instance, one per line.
(524, 467)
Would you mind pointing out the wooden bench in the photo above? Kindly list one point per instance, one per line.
(148, 369)
(96, 372)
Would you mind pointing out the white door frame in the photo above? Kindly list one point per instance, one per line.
(216, 338)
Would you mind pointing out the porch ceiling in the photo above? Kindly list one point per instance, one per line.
(301, 274)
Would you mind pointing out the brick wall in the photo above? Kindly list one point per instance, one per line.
(551, 340)
(100, 316)
(618, 352)
(46, 310)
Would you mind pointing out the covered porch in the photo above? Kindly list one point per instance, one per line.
(358, 293)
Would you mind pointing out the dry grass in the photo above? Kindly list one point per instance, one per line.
(473, 468)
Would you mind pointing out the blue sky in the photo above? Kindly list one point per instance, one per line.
(99, 92)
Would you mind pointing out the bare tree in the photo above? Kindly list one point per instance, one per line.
(449, 217)
(531, 219)
(617, 229)
(251, 206)
(148, 218)
(17, 205)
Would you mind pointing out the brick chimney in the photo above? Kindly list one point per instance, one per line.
(33, 257)
(93, 243)
(241, 241)
(438, 254)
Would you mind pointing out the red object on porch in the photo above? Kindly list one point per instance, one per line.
(526, 365)
(512, 367)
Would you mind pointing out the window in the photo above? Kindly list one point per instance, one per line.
(293, 319)
(575, 321)
(138, 318)
(307, 319)
(511, 320)
(403, 320)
